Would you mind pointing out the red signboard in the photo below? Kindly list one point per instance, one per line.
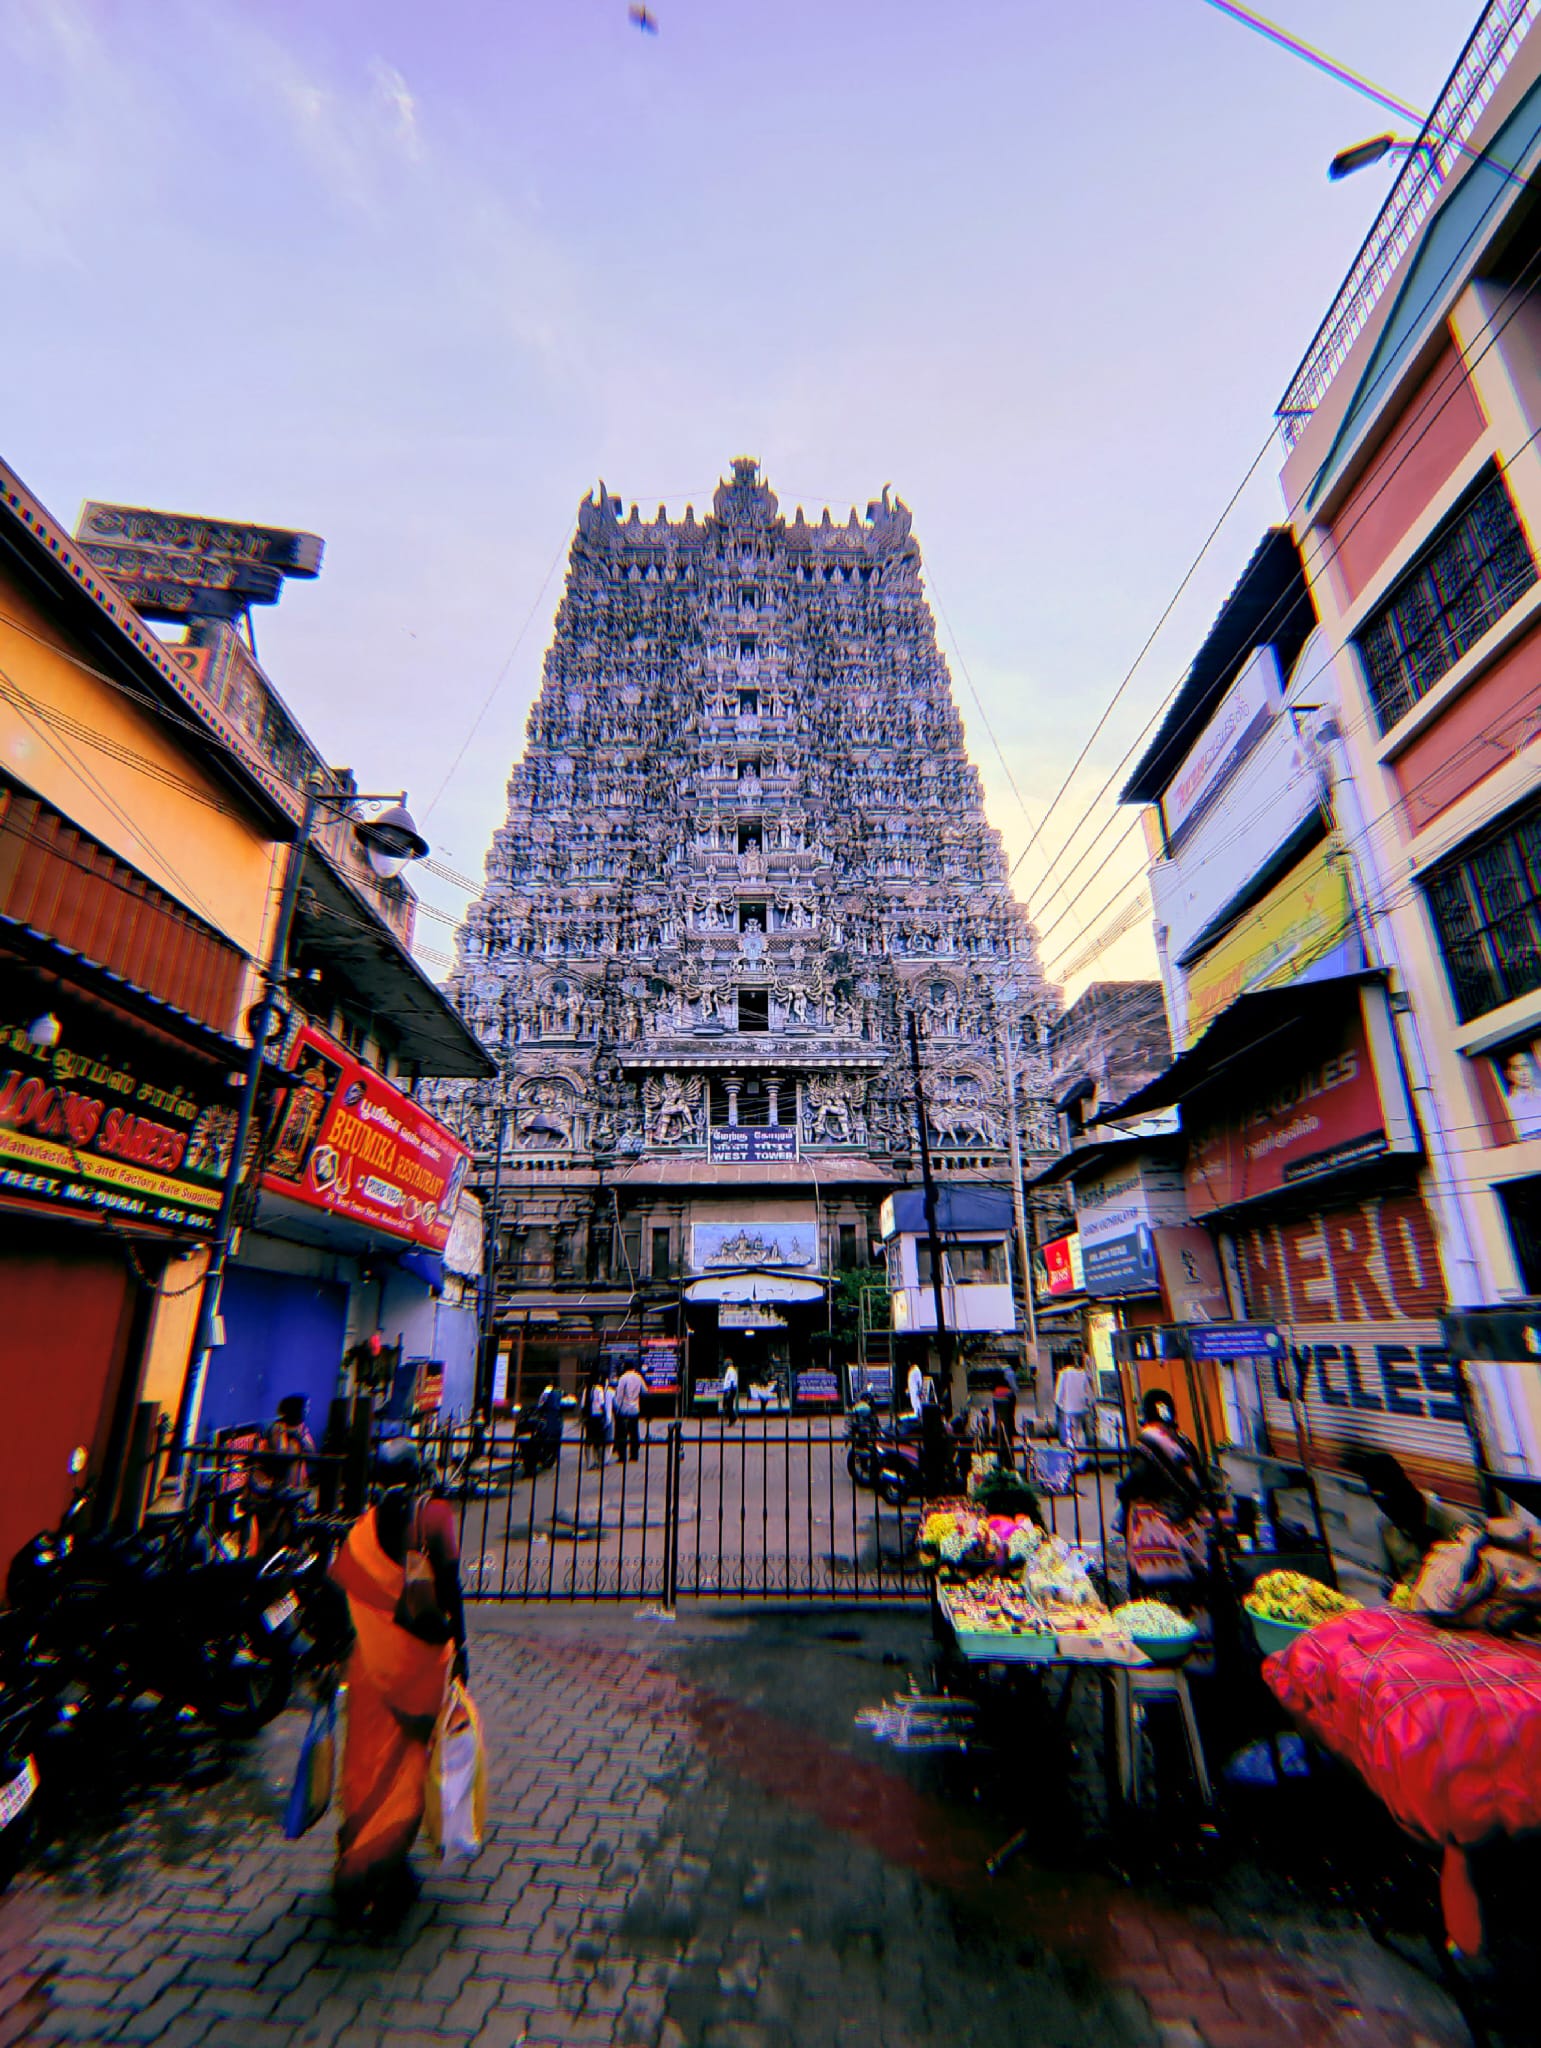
(1327, 1098)
(1059, 1259)
(346, 1141)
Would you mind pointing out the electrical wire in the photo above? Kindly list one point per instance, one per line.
(1455, 381)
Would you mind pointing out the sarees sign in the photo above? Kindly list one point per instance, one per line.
(346, 1141)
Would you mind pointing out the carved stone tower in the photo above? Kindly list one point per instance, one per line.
(744, 841)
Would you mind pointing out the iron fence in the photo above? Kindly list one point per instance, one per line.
(766, 1507)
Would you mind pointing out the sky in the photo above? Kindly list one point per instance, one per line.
(415, 277)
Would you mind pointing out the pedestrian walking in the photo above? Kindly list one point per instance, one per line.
(1072, 1399)
(628, 1415)
(598, 1427)
(915, 1384)
(730, 1392)
(400, 1570)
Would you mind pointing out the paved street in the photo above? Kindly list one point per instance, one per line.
(692, 1845)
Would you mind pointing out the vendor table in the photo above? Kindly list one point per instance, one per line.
(1129, 1680)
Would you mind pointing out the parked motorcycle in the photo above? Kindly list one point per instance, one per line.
(29, 1714)
(116, 1618)
(863, 1433)
(537, 1440)
(899, 1475)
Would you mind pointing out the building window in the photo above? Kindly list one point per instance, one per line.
(750, 839)
(748, 703)
(963, 1265)
(659, 1267)
(847, 1247)
(1486, 905)
(752, 917)
(754, 1009)
(1469, 576)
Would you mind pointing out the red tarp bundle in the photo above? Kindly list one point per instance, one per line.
(1444, 1727)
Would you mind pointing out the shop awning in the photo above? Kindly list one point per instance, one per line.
(1082, 1158)
(1251, 1027)
(754, 1286)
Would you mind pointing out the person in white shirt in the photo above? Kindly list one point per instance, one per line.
(730, 1392)
(917, 1389)
(628, 1414)
(1072, 1398)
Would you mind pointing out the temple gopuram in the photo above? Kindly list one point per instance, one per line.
(744, 845)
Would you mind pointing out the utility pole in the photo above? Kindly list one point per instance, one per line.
(491, 1238)
(1018, 1201)
(928, 1183)
(224, 1223)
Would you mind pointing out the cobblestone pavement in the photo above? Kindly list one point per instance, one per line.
(690, 1846)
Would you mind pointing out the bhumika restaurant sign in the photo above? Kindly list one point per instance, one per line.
(345, 1140)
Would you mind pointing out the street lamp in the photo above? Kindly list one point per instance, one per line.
(1361, 155)
(389, 842)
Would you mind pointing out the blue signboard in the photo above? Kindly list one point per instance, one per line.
(748, 1144)
(1221, 1342)
(1121, 1265)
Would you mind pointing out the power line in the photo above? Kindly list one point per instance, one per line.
(502, 674)
(1455, 381)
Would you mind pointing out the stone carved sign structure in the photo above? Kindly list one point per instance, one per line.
(744, 841)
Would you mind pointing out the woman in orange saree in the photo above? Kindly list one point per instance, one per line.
(396, 1684)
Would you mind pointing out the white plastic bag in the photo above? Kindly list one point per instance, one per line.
(456, 1804)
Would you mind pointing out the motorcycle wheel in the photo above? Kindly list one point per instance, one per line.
(893, 1489)
(859, 1465)
(244, 1679)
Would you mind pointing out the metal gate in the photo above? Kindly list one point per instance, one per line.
(760, 1508)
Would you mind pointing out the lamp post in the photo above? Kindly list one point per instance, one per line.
(933, 1234)
(491, 1233)
(1359, 156)
(389, 841)
(1007, 996)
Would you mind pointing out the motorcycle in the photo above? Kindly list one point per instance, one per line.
(29, 1715)
(537, 1444)
(863, 1433)
(898, 1469)
(116, 1618)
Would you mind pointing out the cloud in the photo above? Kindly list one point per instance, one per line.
(393, 93)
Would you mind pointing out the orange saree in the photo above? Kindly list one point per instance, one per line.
(395, 1690)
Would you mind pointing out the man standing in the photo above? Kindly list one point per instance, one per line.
(916, 1384)
(1072, 1398)
(628, 1414)
(730, 1392)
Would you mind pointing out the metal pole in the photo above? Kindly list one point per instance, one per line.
(490, 1239)
(219, 1255)
(928, 1184)
(1018, 1201)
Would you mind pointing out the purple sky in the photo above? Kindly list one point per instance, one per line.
(413, 277)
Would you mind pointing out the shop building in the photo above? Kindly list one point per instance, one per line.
(139, 842)
(150, 795)
(1104, 1209)
(1415, 482)
(1302, 1155)
(337, 1273)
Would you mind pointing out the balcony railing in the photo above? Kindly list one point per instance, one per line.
(1441, 147)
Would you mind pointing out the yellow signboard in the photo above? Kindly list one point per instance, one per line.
(1303, 918)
